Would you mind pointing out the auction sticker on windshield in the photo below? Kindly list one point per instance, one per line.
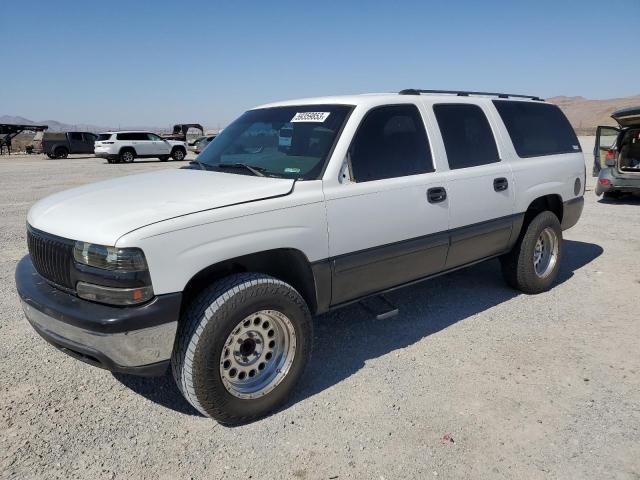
(310, 117)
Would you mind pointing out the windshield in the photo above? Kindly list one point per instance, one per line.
(256, 139)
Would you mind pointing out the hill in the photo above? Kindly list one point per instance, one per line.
(586, 114)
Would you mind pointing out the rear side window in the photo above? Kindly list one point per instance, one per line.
(132, 136)
(75, 136)
(104, 136)
(390, 142)
(537, 129)
(468, 139)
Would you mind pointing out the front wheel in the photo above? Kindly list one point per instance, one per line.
(533, 264)
(242, 346)
(178, 154)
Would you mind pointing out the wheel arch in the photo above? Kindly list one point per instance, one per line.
(287, 264)
(129, 148)
(551, 202)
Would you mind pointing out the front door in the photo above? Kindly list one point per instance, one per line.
(157, 145)
(480, 185)
(388, 222)
(604, 148)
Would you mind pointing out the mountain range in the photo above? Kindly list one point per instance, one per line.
(583, 113)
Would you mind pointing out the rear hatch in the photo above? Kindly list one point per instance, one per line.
(103, 139)
(627, 117)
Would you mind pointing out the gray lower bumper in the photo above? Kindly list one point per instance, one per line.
(137, 340)
(116, 351)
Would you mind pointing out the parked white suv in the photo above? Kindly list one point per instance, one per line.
(217, 269)
(125, 147)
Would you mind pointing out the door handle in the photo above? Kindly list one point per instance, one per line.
(500, 184)
(436, 195)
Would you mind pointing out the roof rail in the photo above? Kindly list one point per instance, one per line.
(463, 93)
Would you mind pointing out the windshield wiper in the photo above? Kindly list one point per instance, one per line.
(257, 171)
(202, 165)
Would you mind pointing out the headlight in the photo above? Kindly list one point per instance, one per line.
(110, 258)
(124, 271)
(112, 295)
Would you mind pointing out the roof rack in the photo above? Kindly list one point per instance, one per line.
(463, 93)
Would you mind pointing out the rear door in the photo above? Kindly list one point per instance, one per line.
(604, 147)
(480, 184)
(89, 140)
(387, 226)
(76, 142)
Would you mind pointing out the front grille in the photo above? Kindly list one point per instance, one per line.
(51, 256)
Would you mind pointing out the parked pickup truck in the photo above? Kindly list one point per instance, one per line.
(61, 144)
(216, 269)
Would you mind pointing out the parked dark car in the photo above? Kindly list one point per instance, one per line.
(617, 155)
(61, 144)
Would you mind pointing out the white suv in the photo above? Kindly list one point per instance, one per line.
(217, 269)
(125, 147)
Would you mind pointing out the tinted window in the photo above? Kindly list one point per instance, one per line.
(75, 136)
(537, 128)
(467, 136)
(254, 139)
(132, 136)
(104, 136)
(153, 137)
(390, 142)
(89, 137)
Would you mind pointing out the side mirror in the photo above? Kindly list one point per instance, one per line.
(610, 162)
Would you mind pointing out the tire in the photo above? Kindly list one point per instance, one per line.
(163, 158)
(519, 267)
(51, 156)
(61, 152)
(203, 366)
(178, 154)
(126, 156)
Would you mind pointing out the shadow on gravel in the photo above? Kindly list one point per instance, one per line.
(160, 390)
(347, 338)
(625, 199)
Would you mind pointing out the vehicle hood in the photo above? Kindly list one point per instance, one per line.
(627, 117)
(103, 212)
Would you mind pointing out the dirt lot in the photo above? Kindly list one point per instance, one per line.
(543, 386)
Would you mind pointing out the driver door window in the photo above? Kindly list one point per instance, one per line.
(391, 142)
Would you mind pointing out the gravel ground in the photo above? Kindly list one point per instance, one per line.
(542, 386)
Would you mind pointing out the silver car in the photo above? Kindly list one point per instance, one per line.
(617, 155)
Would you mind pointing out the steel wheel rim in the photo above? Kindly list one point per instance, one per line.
(545, 252)
(258, 354)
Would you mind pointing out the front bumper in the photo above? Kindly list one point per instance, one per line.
(136, 340)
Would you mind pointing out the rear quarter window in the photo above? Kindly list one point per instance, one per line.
(537, 129)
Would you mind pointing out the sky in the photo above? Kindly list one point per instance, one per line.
(157, 63)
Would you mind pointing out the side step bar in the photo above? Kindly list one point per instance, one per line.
(379, 307)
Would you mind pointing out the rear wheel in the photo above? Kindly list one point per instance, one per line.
(533, 264)
(242, 346)
(61, 152)
(126, 156)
